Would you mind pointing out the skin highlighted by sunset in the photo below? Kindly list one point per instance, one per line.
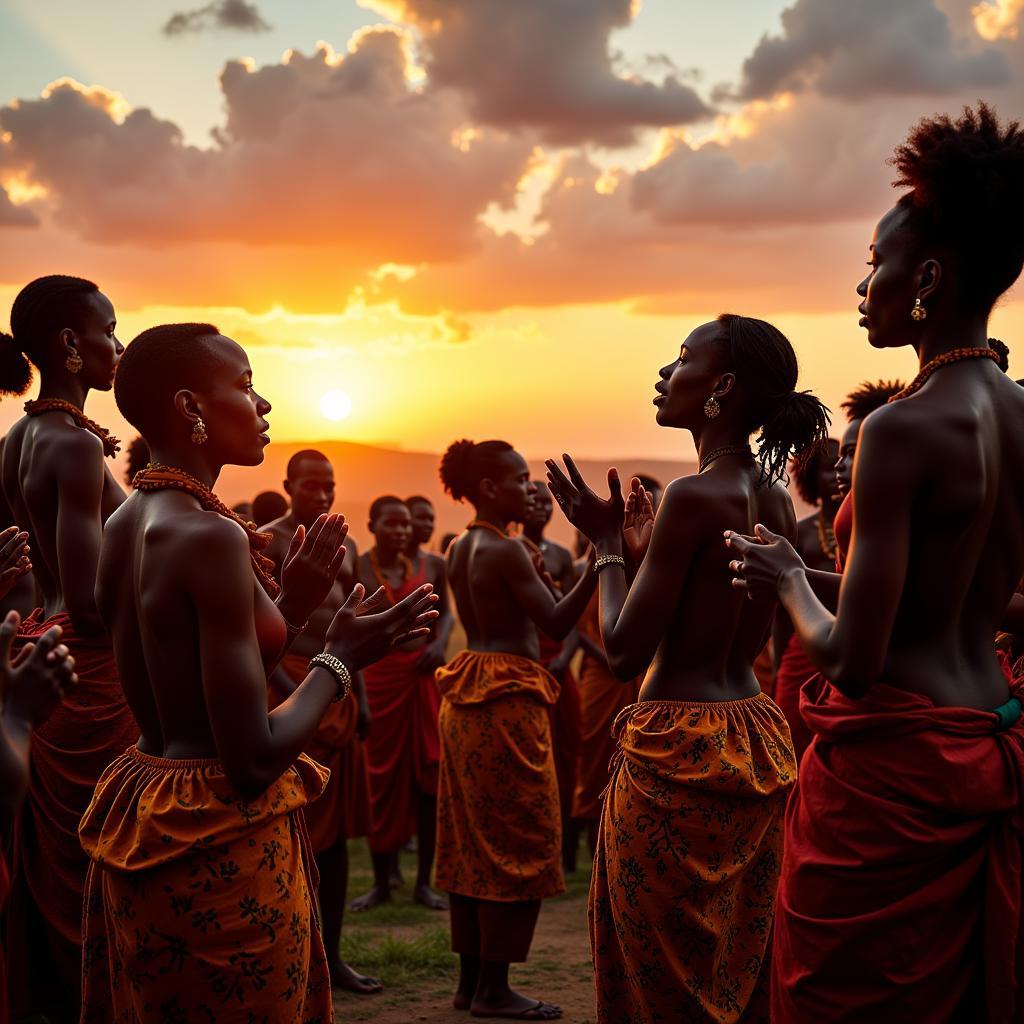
(477, 541)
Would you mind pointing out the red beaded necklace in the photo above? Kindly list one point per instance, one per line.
(955, 355)
(158, 477)
(111, 445)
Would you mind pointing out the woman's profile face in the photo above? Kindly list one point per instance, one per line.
(891, 286)
(687, 383)
(96, 342)
(234, 413)
(513, 488)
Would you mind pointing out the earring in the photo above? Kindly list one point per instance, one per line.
(199, 434)
(712, 408)
(918, 312)
(73, 362)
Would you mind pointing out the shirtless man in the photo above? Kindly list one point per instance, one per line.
(335, 817)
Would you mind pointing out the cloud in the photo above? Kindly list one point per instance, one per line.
(221, 14)
(868, 49)
(14, 216)
(998, 19)
(337, 154)
(543, 64)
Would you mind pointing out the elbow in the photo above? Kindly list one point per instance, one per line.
(623, 666)
(853, 680)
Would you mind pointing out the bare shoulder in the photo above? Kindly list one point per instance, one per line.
(202, 543)
(69, 447)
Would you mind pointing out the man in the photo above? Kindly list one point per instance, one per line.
(343, 811)
(404, 748)
(566, 724)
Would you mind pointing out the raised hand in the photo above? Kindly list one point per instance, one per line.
(762, 561)
(312, 565)
(638, 524)
(34, 683)
(596, 518)
(360, 639)
(14, 558)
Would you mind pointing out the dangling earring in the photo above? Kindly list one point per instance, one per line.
(918, 312)
(199, 434)
(712, 408)
(73, 362)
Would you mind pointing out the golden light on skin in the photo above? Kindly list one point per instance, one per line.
(335, 405)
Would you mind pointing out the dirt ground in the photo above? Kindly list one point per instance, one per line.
(407, 947)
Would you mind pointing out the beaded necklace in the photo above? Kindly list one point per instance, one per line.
(479, 524)
(955, 355)
(826, 537)
(717, 453)
(381, 579)
(158, 477)
(111, 445)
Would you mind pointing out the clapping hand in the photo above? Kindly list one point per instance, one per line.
(638, 524)
(359, 638)
(312, 564)
(14, 558)
(763, 560)
(35, 681)
(596, 518)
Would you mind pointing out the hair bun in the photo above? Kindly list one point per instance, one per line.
(1002, 350)
(15, 369)
(454, 471)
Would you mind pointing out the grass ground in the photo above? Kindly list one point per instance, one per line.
(407, 947)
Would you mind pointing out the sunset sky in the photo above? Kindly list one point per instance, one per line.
(479, 217)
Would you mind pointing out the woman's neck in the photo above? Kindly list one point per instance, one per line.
(388, 558)
(948, 332)
(191, 461)
(487, 514)
(715, 434)
(65, 387)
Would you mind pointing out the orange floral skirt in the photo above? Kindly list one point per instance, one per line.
(687, 864)
(200, 905)
(499, 834)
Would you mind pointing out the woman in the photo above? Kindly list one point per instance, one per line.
(200, 895)
(499, 829)
(900, 896)
(814, 475)
(61, 492)
(690, 837)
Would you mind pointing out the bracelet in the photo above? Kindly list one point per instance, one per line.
(337, 669)
(606, 560)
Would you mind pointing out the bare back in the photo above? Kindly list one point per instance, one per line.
(158, 548)
(714, 633)
(61, 492)
(491, 614)
(938, 489)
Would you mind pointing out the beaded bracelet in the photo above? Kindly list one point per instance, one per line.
(605, 560)
(337, 669)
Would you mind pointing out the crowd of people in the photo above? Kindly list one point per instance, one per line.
(795, 748)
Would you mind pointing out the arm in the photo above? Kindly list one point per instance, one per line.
(79, 480)
(435, 653)
(826, 586)
(850, 647)
(634, 622)
(782, 630)
(556, 618)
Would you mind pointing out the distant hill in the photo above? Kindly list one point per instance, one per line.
(364, 472)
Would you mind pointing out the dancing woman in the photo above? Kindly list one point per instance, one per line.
(61, 492)
(690, 839)
(498, 823)
(200, 899)
(907, 818)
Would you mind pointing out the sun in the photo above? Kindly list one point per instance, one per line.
(335, 405)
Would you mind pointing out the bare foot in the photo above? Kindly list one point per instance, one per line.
(374, 898)
(429, 898)
(395, 879)
(343, 976)
(513, 1006)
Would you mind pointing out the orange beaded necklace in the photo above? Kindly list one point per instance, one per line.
(955, 355)
(480, 524)
(378, 574)
(158, 477)
(111, 445)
